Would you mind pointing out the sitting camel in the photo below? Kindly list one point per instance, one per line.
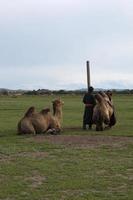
(57, 109)
(43, 121)
(57, 114)
(103, 112)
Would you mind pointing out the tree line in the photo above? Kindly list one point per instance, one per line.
(61, 91)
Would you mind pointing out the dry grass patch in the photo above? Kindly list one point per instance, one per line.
(36, 180)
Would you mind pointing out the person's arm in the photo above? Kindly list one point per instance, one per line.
(84, 99)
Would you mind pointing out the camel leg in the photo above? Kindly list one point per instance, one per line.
(53, 131)
(99, 127)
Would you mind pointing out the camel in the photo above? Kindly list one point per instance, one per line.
(57, 114)
(103, 113)
(57, 109)
(40, 122)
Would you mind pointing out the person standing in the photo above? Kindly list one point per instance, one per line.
(89, 102)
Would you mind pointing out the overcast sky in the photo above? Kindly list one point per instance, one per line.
(45, 43)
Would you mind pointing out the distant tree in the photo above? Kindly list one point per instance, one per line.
(4, 92)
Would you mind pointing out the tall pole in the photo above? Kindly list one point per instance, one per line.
(88, 74)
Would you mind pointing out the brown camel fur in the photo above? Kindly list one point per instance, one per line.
(39, 122)
(57, 109)
(57, 114)
(103, 113)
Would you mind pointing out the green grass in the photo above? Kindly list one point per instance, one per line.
(12, 109)
(43, 171)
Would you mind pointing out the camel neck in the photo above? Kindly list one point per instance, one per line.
(58, 113)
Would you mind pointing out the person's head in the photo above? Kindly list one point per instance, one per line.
(90, 89)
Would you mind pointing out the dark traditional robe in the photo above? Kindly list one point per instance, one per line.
(89, 101)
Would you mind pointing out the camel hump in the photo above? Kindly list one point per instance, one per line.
(103, 94)
(30, 111)
(109, 94)
(45, 111)
(99, 98)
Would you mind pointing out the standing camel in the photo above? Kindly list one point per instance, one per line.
(103, 112)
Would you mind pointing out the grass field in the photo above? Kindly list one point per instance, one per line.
(37, 168)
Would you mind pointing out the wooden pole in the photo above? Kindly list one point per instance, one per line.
(88, 74)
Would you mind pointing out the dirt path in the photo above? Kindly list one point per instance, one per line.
(84, 141)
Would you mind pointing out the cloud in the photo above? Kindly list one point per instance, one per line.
(112, 80)
(40, 77)
(46, 43)
(61, 78)
(15, 10)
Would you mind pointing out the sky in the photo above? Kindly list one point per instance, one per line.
(46, 43)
